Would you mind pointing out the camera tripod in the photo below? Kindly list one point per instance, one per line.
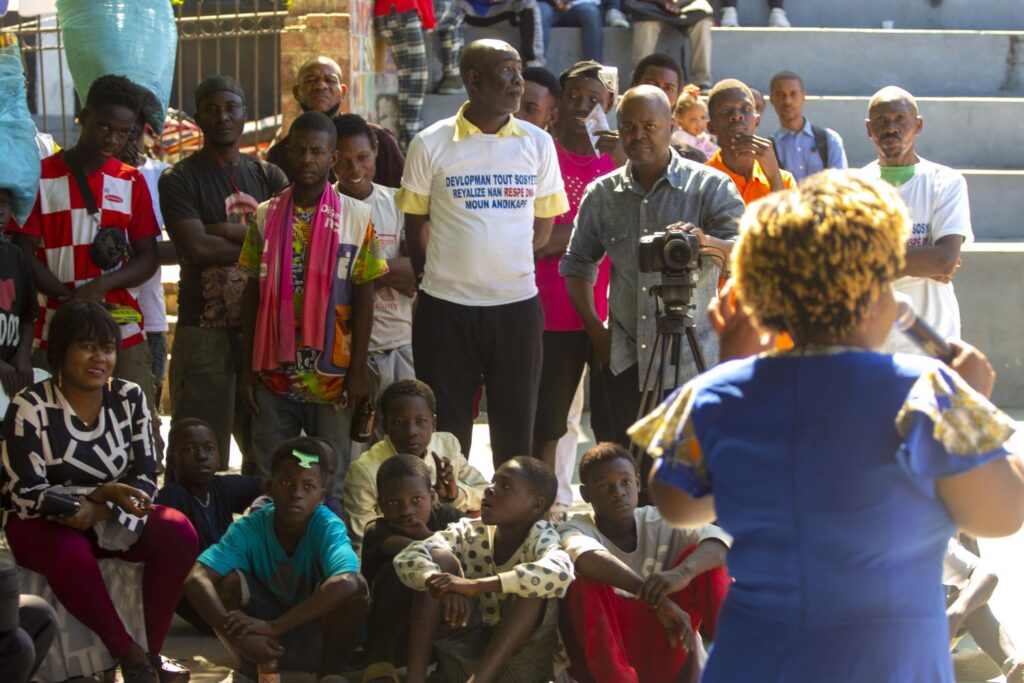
(674, 322)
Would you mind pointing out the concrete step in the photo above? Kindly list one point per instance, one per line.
(997, 204)
(934, 14)
(964, 132)
(991, 321)
(927, 63)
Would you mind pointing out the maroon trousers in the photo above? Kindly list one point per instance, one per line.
(612, 639)
(168, 547)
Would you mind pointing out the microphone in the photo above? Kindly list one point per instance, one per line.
(920, 332)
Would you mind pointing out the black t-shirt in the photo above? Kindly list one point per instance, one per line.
(378, 531)
(229, 494)
(17, 298)
(390, 161)
(197, 187)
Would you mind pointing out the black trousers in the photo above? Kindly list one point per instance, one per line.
(454, 345)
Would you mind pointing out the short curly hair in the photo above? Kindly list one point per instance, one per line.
(113, 89)
(810, 261)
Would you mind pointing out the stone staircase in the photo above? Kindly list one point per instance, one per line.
(963, 59)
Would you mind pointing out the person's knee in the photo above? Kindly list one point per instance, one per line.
(445, 560)
(17, 655)
(178, 538)
(348, 591)
(37, 618)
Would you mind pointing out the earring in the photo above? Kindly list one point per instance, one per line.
(110, 383)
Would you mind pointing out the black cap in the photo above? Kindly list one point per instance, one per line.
(217, 83)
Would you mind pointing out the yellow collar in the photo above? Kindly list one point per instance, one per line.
(464, 128)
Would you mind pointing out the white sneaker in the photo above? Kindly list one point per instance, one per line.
(777, 18)
(729, 18)
(616, 19)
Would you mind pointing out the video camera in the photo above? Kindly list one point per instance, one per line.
(672, 252)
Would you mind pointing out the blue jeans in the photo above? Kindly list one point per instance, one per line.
(585, 15)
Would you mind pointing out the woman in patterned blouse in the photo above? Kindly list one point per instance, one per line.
(88, 435)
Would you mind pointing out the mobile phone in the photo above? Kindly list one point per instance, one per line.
(56, 504)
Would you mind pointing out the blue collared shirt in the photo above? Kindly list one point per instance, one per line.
(798, 153)
(614, 213)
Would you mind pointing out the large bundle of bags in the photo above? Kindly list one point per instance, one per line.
(137, 39)
(20, 171)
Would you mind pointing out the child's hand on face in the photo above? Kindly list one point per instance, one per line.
(441, 584)
(417, 530)
(446, 488)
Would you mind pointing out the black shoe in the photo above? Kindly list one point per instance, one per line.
(144, 674)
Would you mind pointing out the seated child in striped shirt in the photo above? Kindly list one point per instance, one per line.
(486, 586)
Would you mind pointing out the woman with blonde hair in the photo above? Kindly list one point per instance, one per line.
(840, 472)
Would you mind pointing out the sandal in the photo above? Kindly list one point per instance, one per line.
(381, 670)
(169, 670)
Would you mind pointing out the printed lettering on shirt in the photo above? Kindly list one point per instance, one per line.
(117, 194)
(10, 334)
(485, 191)
(919, 235)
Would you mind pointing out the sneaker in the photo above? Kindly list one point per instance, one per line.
(777, 18)
(450, 85)
(729, 18)
(616, 19)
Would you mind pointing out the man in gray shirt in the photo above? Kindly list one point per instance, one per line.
(656, 189)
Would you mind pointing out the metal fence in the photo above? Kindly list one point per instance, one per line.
(241, 39)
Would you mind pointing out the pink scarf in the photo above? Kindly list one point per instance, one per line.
(274, 338)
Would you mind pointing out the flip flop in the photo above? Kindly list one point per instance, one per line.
(381, 670)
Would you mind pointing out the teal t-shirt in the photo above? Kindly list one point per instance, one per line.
(251, 545)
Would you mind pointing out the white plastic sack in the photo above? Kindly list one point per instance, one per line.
(137, 39)
(20, 170)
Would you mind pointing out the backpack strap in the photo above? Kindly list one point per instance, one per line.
(821, 142)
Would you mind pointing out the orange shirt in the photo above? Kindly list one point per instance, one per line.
(755, 188)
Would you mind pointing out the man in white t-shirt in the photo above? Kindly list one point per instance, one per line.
(936, 197)
(391, 338)
(489, 187)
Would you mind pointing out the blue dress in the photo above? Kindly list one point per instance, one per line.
(823, 469)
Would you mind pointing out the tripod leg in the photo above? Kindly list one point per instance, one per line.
(698, 357)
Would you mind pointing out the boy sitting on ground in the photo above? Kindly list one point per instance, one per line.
(490, 581)
(407, 411)
(283, 582)
(410, 512)
(637, 577)
(209, 500)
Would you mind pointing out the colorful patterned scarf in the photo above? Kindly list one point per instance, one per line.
(274, 339)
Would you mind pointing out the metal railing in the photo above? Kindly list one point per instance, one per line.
(241, 39)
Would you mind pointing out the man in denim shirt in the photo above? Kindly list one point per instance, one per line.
(655, 190)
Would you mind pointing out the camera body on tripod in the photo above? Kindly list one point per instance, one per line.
(673, 251)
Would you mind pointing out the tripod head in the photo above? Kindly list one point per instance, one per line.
(675, 293)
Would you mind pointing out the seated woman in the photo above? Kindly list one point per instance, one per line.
(88, 435)
(840, 472)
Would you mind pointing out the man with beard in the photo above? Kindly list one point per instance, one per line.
(207, 201)
(320, 88)
(655, 190)
(936, 197)
(744, 156)
(490, 187)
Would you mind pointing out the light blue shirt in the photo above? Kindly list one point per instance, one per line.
(798, 153)
(251, 545)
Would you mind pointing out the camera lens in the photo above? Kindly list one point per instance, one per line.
(677, 253)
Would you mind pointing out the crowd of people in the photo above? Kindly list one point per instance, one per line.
(343, 308)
